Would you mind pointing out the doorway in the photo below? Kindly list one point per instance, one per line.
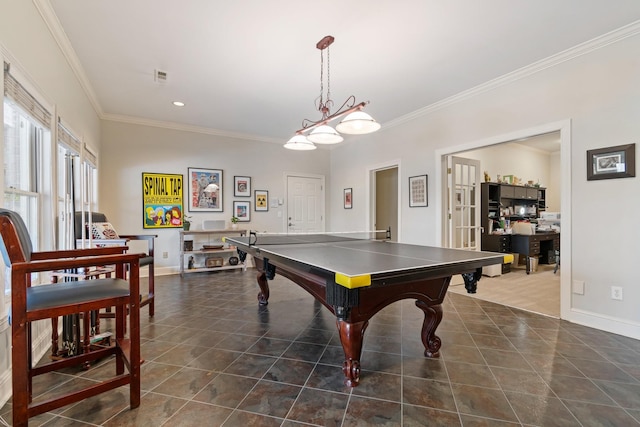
(561, 179)
(386, 202)
(383, 193)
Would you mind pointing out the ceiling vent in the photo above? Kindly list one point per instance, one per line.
(160, 76)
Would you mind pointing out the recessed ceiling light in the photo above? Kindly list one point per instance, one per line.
(178, 103)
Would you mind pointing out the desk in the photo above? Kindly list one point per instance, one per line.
(535, 245)
(356, 278)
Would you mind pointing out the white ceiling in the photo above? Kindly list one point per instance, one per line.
(251, 68)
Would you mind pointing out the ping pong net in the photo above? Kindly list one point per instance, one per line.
(264, 239)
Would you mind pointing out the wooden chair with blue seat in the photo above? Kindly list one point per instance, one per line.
(46, 301)
(84, 221)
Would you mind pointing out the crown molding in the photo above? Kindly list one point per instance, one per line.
(187, 128)
(51, 20)
(599, 42)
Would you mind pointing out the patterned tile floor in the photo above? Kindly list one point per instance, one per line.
(213, 357)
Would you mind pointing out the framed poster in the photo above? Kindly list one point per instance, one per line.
(242, 186)
(162, 200)
(418, 191)
(348, 198)
(261, 200)
(205, 190)
(611, 162)
(242, 211)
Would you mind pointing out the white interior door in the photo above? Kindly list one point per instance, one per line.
(464, 204)
(305, 204)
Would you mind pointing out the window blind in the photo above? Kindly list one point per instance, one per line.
(67, 139)
(16, 92)
(90, 157)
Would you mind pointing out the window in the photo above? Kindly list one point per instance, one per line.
(27, 159)
(23, 142)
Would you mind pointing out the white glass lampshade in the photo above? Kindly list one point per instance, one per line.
(325, 135)
(358, 123)
(299, 142)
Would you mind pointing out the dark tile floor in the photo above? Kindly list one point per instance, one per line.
(214, 357)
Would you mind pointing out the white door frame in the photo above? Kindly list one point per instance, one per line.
(370, 192)
(564, 126)
(285, 215)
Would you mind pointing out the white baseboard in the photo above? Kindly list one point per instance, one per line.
(605, 323)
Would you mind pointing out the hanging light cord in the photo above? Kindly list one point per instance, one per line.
(324, 106)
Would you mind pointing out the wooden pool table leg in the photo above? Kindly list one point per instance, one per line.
(263, 296)
(351, 337)
(432, 318)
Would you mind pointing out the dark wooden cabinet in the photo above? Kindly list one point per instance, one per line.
(511, 202)
(498, 243)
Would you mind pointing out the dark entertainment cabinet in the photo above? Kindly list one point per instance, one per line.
(511, 202)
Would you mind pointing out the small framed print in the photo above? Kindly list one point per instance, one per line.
(418, 191)
(242, 186)
(261, 200)
(242, 211)
(205, 190)
(348, 198)
(611, 162)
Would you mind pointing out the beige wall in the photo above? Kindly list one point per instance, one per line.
(130, 149)
(527, 163)
(36, 59)
(598, 93)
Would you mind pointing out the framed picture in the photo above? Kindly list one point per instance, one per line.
(162, 200)
(507, 179)
(611, 162)
(205, 190)
(348, 200)
(242, 186)
(418, 191)
(261, 200)
(242, 211)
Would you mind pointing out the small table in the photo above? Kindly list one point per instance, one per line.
(356, 278)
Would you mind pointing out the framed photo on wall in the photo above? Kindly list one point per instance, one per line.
(261, 200)
(205, 190)
(611, 162)
(418, 196)
(242, 211)
(348, 198)
(242, 186)
(162, 200)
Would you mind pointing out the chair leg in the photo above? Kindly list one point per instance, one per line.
(152, 292)
(134, 354)
(21, 377)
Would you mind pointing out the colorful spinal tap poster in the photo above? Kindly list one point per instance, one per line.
(162, 200)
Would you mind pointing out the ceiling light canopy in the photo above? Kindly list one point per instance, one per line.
(356, 121)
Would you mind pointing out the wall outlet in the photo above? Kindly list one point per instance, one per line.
(165, 255)
(616, 293)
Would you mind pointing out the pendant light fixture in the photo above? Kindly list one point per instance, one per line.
(356, 121)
